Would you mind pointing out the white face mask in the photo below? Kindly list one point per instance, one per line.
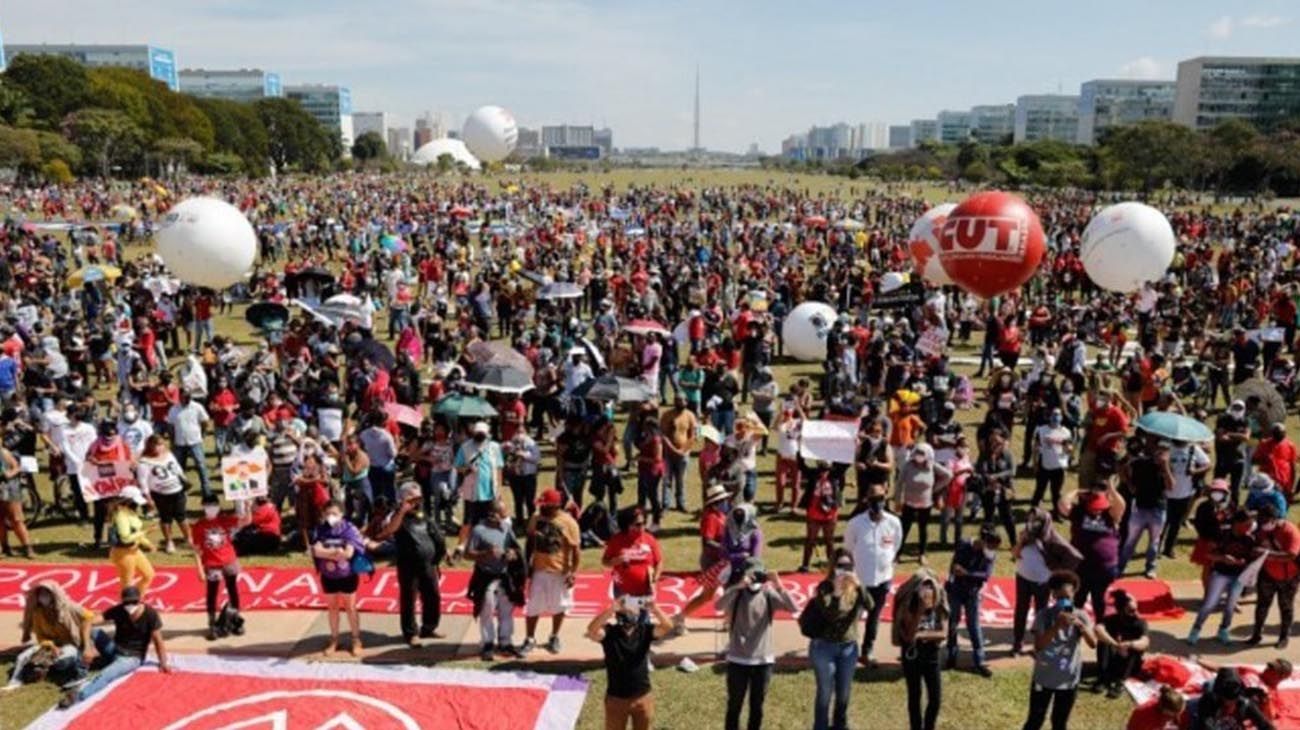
(333, 520)
(842, 572)
(1219, 497)
(211, 511)
(990, 554)
(755, 587)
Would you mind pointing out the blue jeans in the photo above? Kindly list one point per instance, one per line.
(833, 664)
(750, 489)
(725, 421)
(970, 604)
(675, 481)
(1214, 589)
(647, 490)
(116, 665)
(195, 452)
(1149, 520)
(222, 436)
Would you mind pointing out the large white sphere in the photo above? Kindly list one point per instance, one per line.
(1126, 245)
(207, 242)
(490, 133)
(923, 244)
(803, 334)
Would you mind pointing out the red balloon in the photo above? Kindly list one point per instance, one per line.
(991, 244)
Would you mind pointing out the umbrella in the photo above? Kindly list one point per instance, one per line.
(122, 210)
(593, 352)
(460, 405)
(501, 355)
(634, 232)
(1174, 426)
(267, 315)
(337, 309)
(93, 272)
(499, 379)
(709, 433)
(849, 224)
(559, 290)
(614, 388)
(815, 221)
(646, 327)
(314, 273)
(1272, 408)
(370, 349)
(403, 414)
(536, 278)
(392, 243)
(460, 211)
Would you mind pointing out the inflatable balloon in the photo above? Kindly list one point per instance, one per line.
(207, 242)
(923, 244)
(891, 281)
(1126, 245)
(991, 244)
(803, 333)
(490, 133)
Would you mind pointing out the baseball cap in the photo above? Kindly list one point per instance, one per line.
(551, 498)
(130, 595)
(480, 427)
(132, 493)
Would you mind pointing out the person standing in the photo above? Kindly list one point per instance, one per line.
(186, 420)
(137, 627)
(917, 480)
(1235, 550)
(334, 544)
(1279, 538)
(1275, 455)
(1037, 549)
(920, 628)
(127, 540)
(479, 465)
(1149, 478)
(750, 605)
(873, 538)
(650, 468)
(419, 551)
(1107, 427)
(523, 459)
(972, 566)
(1053, 443)
(495, 587)
(1231, 443)
(788, 430)
(554, 549)
(1058, 658)
(212, 538)
(1094, 516)
(626, 647)
(830, 621)
(11, 503)
(634, 556)
(680, 430)
(381, 450)
(1189, 463)
(162, 478)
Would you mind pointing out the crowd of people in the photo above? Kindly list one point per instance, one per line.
(667, 304)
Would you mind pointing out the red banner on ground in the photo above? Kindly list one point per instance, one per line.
(181, 589)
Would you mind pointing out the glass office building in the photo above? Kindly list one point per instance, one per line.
(1211, 89)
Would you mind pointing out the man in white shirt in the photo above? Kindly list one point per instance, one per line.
(874, 537)
(1052, 445)
(134, 429)
(576, 372)
(186, 420)
(75, 440)
(1187, 462)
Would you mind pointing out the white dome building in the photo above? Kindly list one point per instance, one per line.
(428, 154)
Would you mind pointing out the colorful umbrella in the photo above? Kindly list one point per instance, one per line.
(459, 405)
(460, 211)
(94, 272)
(404, 414)
(1175, 427)
(392, 243)
(646, 327)
(815, 221)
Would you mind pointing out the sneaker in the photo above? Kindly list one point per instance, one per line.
(512, 651)
(1193, 636)
(1254, 640)
(1223, 637)
(1114, 691)
(212, 633)
(984, 671)
(1150, 574)
(170, 548)
(802, 569)
(687, 666)
(553, 645)
(1016, 650)
(487, 654)
(68, 699)
(1282, 642)
(529, 644)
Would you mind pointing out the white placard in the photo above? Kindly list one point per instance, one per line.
(833, 441)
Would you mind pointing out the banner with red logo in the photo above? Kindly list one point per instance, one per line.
(104, 480)
(182, 589)
(211, 693)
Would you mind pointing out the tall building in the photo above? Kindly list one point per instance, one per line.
(1047, 116)
(602, 138)
(870, 136)
(795, 147)
(1263, 91)
(953, 126)
(1107, 103)
(529, 143)
(398, 140)
(245, 84)
(900, 136)
(159, 63)
(992, 123)
(923, 130)
(329, 104)
(568, 135)
(376, 122)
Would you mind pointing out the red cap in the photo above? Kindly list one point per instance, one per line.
(551, 498)
(1097, 502)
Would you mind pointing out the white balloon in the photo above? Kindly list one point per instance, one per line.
(207, 242)
(490, 133)
(923, 244)
(891, 281)
(803, 334)
(1126, 245)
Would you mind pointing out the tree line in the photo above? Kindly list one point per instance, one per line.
(59, 118)
(1232, 157)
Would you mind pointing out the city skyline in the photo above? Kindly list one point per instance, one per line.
(632, 67)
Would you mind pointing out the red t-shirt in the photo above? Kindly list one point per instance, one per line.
(642, 554)
(161, 401)
(1277, 459)
(1149, 717)
(512, 417)
(212, 537)
(266, 519)
(1103, 423)
(202, 308)
(713, 527)
(223, 407)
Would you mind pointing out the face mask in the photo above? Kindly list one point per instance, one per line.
(842, 572)
(755, 587)
(1237, 413)
(479, 438)
(1054, 420)
(45, 600)
(1219, 497)
(1102, 404)
(130, 416)
(211, 511)
(333, 520)
(990, 553)
(876, 505)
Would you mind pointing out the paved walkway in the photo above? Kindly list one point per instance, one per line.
(303, 635)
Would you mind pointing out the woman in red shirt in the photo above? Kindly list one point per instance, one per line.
(823, 509)
(312, 487)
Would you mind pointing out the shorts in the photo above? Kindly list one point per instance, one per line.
(344, 585)
(476, 511)
(171, 507)
(215, 574)
(11, 490)
(548, 594)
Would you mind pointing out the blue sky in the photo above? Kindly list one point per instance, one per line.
(768, 67)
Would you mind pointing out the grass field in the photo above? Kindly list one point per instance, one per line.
(689, 701)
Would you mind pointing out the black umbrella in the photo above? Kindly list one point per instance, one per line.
(267, 315)
(614, 388)
(499, 379)
(318, 274)
(368, 348)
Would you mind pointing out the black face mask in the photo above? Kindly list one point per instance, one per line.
(876, 505)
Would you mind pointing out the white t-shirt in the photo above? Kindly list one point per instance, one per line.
(1053, 446)
(135, 434)
(160, 475)
(1181, 461)
(76, 442)
(187, 423)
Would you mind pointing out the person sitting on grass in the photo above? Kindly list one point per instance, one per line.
(136, 628)
(1121, 640)
(626, 646)
(57, 624)
(261, 536)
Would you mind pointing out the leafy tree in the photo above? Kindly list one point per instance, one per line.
(19, 149)
(55, 86)
(445, 163)
(237, 129)
(56, 147)
(108, 137)
(369, 146)
(15, 106)
(58, 172)
(296, 141)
